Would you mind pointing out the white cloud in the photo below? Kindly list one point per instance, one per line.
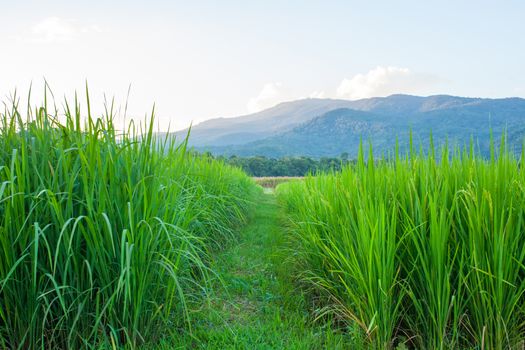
(55, 29)
(380, 81)
(384, 81)
(270, 95)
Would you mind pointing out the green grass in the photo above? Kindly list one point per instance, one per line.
(256, 305)
(115, 239)
(415, 250)
(105, 235)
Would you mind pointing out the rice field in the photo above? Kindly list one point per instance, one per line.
(415, 251)
(108, 240)
(105, 235)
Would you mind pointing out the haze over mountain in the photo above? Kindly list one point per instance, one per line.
(326, 127)
(269, 122)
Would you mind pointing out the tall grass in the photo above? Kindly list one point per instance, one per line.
(104, 235)
(416, 249)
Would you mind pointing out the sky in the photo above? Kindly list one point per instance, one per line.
(196, 60)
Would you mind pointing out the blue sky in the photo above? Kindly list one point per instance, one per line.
(202, 59)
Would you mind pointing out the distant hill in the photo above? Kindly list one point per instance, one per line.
(320, 127)
(243, 129)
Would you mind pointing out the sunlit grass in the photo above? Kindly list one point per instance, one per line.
(104, 235)
(417, 249)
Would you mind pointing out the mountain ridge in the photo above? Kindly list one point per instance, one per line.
(325, 127)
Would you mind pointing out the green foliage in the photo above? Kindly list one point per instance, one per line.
(104, 235)
(288, 166)
(258, 308)
(420, 252)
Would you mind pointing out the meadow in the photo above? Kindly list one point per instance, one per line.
(421, 251)
(105, 235)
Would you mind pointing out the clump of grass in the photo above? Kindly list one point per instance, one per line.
(104, 235)
(417, 249)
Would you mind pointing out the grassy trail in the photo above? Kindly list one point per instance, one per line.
(258, 307)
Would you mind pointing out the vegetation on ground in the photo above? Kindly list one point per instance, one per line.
(105, 235)
(417, 251)
(124, 239)
(255, 304)
(261, 166)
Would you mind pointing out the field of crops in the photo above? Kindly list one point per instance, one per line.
(106, 240)
(104, 235)
(416, 251)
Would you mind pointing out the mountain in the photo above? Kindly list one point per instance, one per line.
(243, 129)
(319, 127)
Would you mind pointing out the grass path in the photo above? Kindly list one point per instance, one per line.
(258, 308)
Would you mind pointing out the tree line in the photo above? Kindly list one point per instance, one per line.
(288, 166)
